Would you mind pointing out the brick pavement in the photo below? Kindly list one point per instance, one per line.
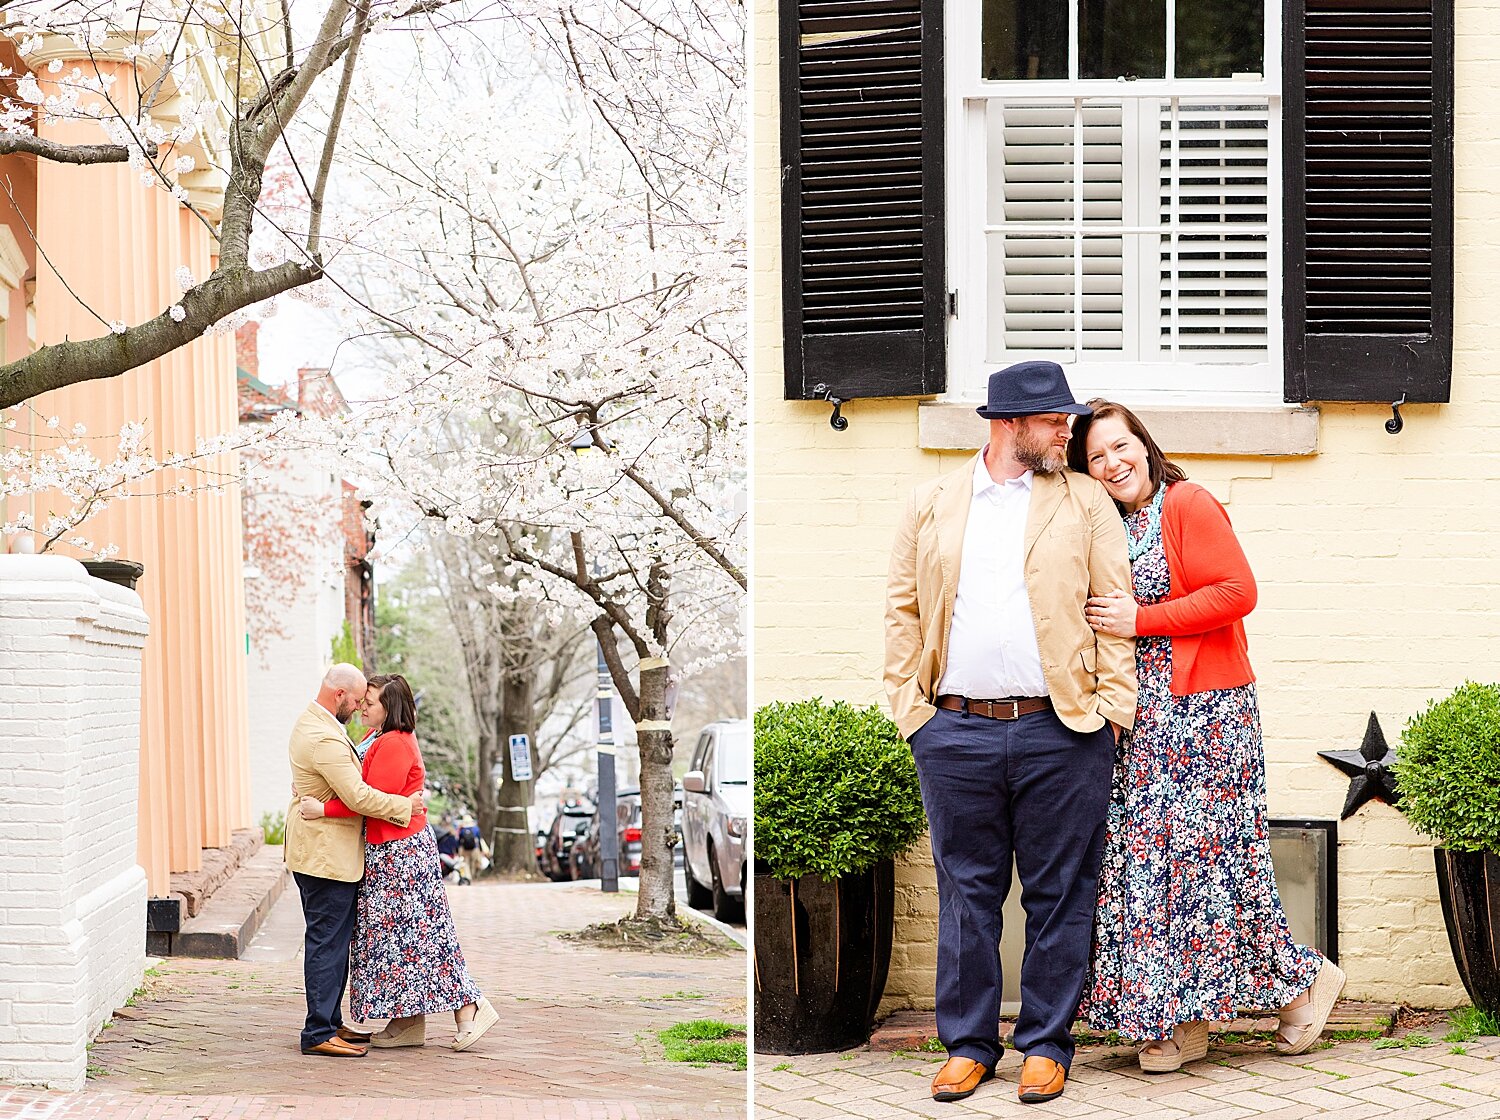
(217, 1040)
(1347, 1081)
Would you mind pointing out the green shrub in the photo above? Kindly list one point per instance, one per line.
(835, 789)
(274, 827)
(1448, 769)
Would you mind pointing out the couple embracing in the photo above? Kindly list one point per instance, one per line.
(366, 866)
(1066, 657)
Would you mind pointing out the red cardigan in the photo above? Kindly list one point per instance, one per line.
(1211, 590)
(393, 764)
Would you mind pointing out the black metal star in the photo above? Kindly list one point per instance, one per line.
(1369, 768)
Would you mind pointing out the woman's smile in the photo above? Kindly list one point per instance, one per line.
(1117, 458)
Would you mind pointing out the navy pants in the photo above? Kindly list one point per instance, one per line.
(1034, 789)
(328, 906)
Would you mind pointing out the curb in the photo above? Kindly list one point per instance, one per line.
(230, 919)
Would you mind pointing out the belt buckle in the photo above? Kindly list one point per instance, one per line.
(1015, 710)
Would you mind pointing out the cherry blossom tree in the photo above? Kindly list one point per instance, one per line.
(571, 293)
(238, 76)
(539, 226)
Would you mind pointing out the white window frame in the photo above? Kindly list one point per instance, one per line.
(1209, 383)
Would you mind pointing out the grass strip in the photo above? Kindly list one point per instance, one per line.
(705, 1041)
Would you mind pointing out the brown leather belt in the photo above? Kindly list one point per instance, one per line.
(996, 709)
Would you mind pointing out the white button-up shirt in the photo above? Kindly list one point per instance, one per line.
(992, 649)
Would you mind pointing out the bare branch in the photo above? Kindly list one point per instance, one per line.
(331, 137)
(81, 154)
(72, 362)
(617, 671)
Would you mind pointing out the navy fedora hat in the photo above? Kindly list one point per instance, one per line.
(1028, 388)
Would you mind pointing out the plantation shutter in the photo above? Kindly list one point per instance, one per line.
(1369, 199)
(864, 291)
(1214, 287)
(1035, 180)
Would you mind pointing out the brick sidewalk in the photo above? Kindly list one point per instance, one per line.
(576, 1038)
(1349, 1081)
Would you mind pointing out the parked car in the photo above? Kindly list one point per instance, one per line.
(588, 860)
(558, 846)
(715, 808)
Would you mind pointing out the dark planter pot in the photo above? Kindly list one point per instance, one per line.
(1469, 886)
(822, 952)
(123, 572)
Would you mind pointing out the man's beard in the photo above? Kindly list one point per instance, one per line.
(343, 716)
(1034, 455)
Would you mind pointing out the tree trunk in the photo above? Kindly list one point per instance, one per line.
(486, 810)
(655, 899)
(514, 848)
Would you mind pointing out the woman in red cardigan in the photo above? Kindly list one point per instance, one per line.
(405, 963)
(1189, 927)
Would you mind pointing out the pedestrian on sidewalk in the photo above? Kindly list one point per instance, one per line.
(325, 856)
(1190, 927)
(447, 846)
(474, 853)
(406, 962)
(1012, 706)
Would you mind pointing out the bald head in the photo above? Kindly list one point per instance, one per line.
(345, 676)
(342, 689)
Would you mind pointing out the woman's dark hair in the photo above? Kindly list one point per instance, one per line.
(1158, 465)
(396, 699)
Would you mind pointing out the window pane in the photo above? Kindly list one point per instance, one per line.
(1122, 38)
(1034, 156)
(1024, 39)
(1030, 154)
(1032, 281)
(1219, 38)
(1214, 282)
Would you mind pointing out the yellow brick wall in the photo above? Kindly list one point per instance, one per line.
(1376, 558)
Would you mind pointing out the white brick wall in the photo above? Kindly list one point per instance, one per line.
(72, 898)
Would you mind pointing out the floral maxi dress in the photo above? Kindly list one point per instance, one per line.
(405, 959)
(1189, 924)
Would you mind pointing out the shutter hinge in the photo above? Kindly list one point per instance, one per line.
(953, 303)
(838, 422)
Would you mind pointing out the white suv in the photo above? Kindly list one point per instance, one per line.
(715, 808)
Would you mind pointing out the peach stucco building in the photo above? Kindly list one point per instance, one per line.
(112, 248)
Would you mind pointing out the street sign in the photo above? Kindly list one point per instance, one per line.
(520, 758)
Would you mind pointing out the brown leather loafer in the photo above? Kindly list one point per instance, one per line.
(1042, 1079)
(958, 1079)
(359, 1038)
(336, 1047)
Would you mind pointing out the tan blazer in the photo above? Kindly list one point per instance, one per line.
(1075, 547)
(324, 765)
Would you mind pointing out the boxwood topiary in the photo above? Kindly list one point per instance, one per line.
(1448, 769)
(836, 789)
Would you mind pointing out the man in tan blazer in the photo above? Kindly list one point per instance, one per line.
(327, 855)
(1012, 705)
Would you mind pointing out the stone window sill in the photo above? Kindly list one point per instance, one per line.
(1269, 430)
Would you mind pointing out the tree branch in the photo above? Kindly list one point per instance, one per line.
(604, 631)
(704, 543)
(82, 154)
(73, 362)
(330, 138)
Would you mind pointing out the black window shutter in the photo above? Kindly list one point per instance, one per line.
(862, 197)
(1368, 199)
